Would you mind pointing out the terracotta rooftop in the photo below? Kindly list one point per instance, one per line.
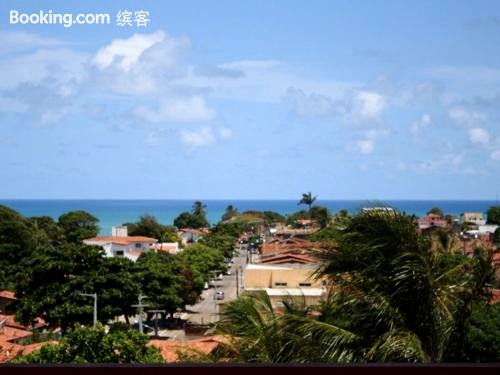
(170, 348)
(121, 240)
(13, 334)
(9, 351)
(288, 258)
(7, 294)
(11, 322)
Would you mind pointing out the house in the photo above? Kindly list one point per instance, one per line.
(280, 282)
(476, 218)
(432, 221)
(9, 350)
(291, 244)
(189, 235)
(172, 350)
(120, 244)
(168, 247)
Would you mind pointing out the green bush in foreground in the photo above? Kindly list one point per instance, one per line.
(94, 345)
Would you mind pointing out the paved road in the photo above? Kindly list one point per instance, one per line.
(207, 310)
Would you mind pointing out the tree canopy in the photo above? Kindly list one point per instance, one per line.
(78, 225)
(494, 215)
(85, 345)
(307, 199)
(195, 219)
(436, 211)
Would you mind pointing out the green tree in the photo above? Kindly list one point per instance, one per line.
(195, 219)
(436, 211)
(199, 208)
(229, 213)
(396, 299)
(51, 281)
(321, 215)
(169, 281)
(50, 228)
(93, 345)
(494, 215)
(307, 199)
(223, 242)
(78, 225)
(496, 237)
(204, 261)
(18, 238)
(482, 342)
(53, 278)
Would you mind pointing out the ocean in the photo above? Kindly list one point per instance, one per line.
(115, 212)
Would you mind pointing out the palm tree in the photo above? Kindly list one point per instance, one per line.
(307, 199)
(199, 208)
(395, 298)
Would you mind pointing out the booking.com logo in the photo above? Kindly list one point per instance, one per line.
(124, 18)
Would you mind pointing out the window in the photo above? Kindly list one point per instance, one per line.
(304, 284)
(137, 245)
(280, 284)
(119, 253)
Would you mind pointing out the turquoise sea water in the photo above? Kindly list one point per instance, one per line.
(113, 212)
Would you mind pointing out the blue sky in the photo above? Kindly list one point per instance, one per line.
(255, 99)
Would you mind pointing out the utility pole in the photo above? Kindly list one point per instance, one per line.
(237, 282)
(93, 295)
(140, 308)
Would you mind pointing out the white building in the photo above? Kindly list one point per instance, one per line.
(476, 218)
(120, 244)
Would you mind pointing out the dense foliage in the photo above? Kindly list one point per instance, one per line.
(397, 298)
(194, 219)
(494, 215)
(85, 345)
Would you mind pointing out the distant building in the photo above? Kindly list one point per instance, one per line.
(284, 283)
(189, 235)
(119, 244)
(432, 221)
(476, 218)
(168, 247)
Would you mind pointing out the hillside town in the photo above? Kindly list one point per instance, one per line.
(178, 287)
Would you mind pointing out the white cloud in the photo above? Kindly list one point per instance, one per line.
(465, 117)
(53, 67)
(369, 104)
(225, 133)
(495, 155)
(198, 138)
(479, 136)
(365, 146)
(15, 41)
(126, 52)
(314, 105)
(150, 61)
(423, 122)
(52, 116)
(188, 109)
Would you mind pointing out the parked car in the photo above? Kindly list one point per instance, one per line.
(219, 295)
(228, 272)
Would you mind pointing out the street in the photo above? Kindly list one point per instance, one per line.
(207, 310)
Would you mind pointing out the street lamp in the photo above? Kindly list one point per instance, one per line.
(93, 295)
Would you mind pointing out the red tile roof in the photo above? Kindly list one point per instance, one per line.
(288, 258)
(495, 295)
(11, 322)
(170, 348)
(9, 351)
(7, 294)
(12, 334)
